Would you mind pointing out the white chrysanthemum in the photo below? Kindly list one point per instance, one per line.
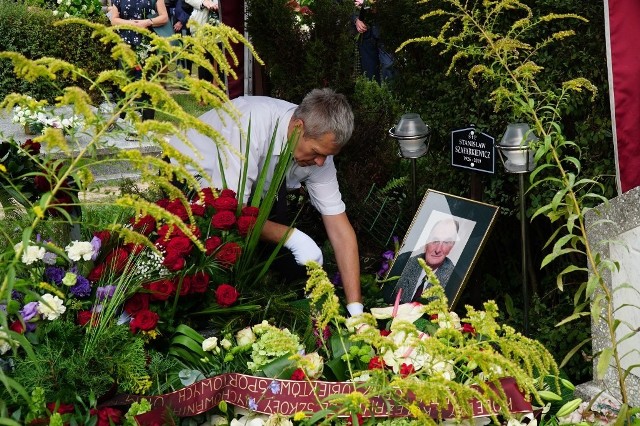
(79, 250)
(31, 254)
(51, 307)
(210, 344)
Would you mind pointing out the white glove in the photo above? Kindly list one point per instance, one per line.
(303, 247)
(355, 308)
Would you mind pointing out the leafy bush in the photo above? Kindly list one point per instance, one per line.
(32, 31)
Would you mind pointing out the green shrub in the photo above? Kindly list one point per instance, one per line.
(31, 31)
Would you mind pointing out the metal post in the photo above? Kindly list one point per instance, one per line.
(413, 185)
(523, 232)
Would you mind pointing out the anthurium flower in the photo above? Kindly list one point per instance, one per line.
(406, 312)
(408, 349)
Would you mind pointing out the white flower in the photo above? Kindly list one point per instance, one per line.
(31, 254)
(248, 418)
(444, 369)
(409, 350)
(216, 420)
(278, 420)
(245, 336)
(226, 343)
(55, 13)
(450, 320)
(210, 344)
(407, 312)
(312, 364)
(51, 307)
(80, 250)
(4, 342)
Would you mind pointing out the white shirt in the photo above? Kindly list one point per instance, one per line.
(267, 115)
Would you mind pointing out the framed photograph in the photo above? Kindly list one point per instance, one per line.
(449, 233)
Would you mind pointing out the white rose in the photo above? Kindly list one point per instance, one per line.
(245, 337)
(313, 365)
(226, 343)
(51, 307)
(210, 344)
(79, 250)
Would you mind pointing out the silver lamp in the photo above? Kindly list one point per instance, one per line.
(517, 156)
(412, 136)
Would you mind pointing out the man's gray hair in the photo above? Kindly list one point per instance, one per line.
(325, 111)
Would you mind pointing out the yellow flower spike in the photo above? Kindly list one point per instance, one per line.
(299, 416)
(414, 410)
(48, 287)
(3, 168)
(38, 212)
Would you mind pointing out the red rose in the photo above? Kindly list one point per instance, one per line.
(226, 295)
(117, 259)
(62, 408)
(167, 231)
(18, 326)
(104, 236)
(176, 207)
(245, 223)
(298, 374)
(163, 203)
(136, 303)
(161, 289)
(468, 328)
(223, 220)
(385, 332)
(134, 248)
(209, 197)
(197, 209)
(42, 183)
(228, 254)
(144, 320)
(230, 193)
(83, 318)
(31, 147)
(250, 211)
(144, 225)
(406, 370)
(376, 363)
(107, 416)
(173, 262)
(199, 282)
(186, 285)
(179, 246)
(96, 273)
(211, 244)
(223, 203)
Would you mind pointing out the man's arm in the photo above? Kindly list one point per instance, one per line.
(345, 246)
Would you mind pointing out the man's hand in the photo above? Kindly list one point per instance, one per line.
(177, 27)
(303, 247)
(361, 27)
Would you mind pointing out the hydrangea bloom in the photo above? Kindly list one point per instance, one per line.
(51, 307)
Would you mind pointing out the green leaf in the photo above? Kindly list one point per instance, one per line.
(571, 353)
(280, 368)
(339, 368)
(604, 359)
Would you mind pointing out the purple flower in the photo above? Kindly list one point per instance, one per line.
(105, 292)
(82, 288)
(54, 274)
(274, 387)
(49, 258)
(16, 295)
(253, 405)
(96, 243)
(337, 280)
(388, 255)
(29, 311)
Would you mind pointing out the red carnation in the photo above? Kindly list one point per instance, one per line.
(166, 231)
(245, 223)
(107, 416)
(62, 408)
(83, 318)
(197, 209)
(144, 320)
(298, 374)
(228, 254)
(209, 197)
(176, 207)
(250, 211)
(31, 147)
(179, 246)
(223, 203)
(144, 225)
(18, 326)
(385, 332)
(211, 244)
(186, 285)
(376, 363)
(117, 259)
(136, 303)
(468, 328)
(223, 219)
(174, 262)
(406, 370)
(199, 282)
(161, 289)
(230, 193)
(226, 295)
(96, 273)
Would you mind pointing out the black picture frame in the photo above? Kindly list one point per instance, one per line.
(475, 220)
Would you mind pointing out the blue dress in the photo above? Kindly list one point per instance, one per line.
(135, 9)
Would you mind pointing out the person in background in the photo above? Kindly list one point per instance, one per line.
(375, 62)
(321, 124)
(142, 14)
(204, 11)
(181, 17)
(441, 240)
